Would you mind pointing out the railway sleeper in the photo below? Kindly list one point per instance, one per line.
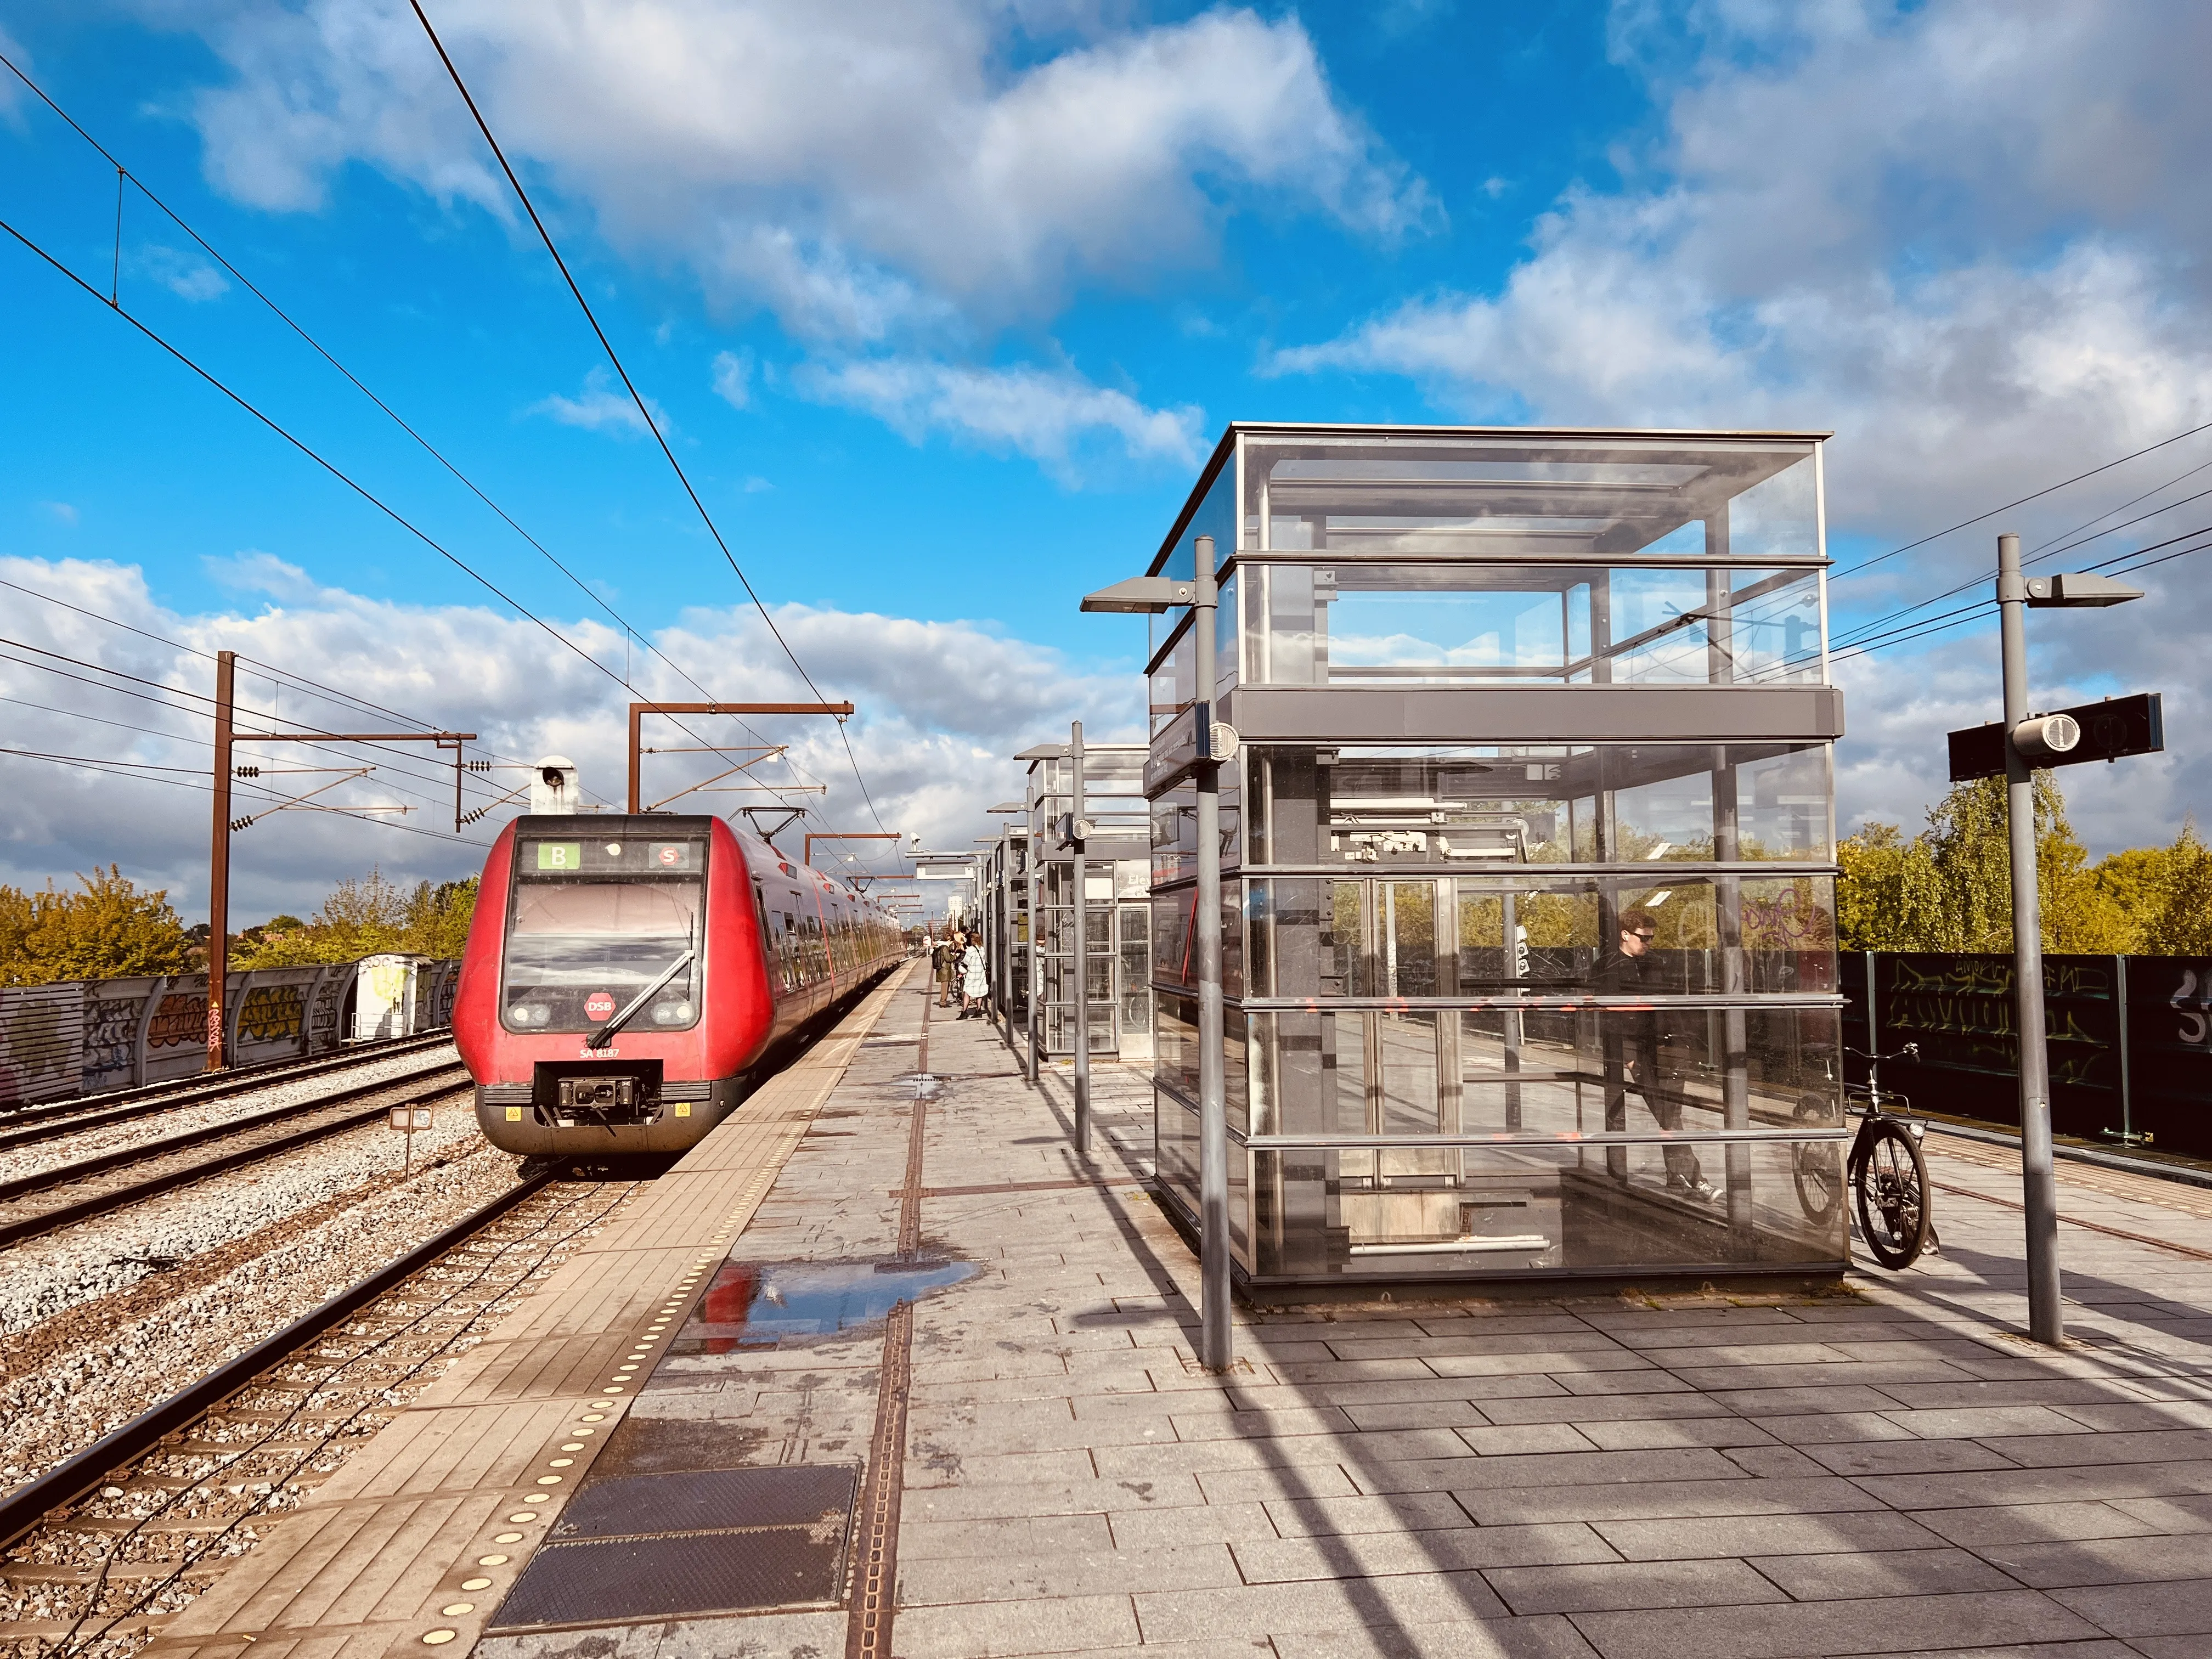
(119, 1572)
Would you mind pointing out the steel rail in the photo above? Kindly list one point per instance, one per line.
(99, 1163)
(118, 1198)
(119, 1105)
(28, 1505)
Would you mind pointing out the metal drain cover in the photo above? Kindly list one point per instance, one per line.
(687, 1544)
(710, 1500)
(693, 1575)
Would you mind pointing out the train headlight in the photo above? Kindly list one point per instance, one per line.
(531, 1013)
(671, 1013)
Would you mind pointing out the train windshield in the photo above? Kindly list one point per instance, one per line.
(592, 925)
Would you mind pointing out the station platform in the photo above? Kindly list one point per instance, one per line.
(892, 1262)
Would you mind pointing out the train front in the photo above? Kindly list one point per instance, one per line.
(612, 994)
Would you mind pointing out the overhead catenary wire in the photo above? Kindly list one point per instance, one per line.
(172, 692)
(123, 174)
(195, 778)
(112, 301)
(306, 449)
(165, 702)
(1964, 524)
(645, 411)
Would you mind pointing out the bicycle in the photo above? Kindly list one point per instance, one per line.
(1886, 1170)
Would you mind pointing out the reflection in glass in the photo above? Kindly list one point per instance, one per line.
(1380, 624)
(1479, 805)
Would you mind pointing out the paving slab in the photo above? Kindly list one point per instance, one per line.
(1590, 1473)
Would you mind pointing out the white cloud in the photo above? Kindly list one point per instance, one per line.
(734, 378)
(184, 275)
(255, 572)
(12, 93)
(1054, 418)
(1966, 236)
(65, 512)
(601, 407)
(941, 705)
(1943, 231)
(856, 166)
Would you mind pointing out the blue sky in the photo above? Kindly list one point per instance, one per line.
(942, 301)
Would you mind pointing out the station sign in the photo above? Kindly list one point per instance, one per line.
(409, 1119)
(2104, 731)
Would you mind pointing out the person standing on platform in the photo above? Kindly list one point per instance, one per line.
(1632, 1041)
(974, 980)
(947, 964)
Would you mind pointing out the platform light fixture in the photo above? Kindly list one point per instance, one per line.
(2030, 742)
(1140, 595)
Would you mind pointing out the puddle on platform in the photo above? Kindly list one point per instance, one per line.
(770, 1304)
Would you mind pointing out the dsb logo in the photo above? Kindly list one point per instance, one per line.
(600, 1004)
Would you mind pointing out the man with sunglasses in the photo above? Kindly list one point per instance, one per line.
(1632, 1039)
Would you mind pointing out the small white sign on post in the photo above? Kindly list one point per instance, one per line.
(407, 1120)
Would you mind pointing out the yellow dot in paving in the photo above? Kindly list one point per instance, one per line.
(593, 1417)
(621, 1370)
(494, 1560)
(613, 1390)
(513, 1518)
(438, 1639)
(455, 1609)
(547, 1480)
(538, 1498)
(574, 1445)
(560, 1463)
(475, 1583)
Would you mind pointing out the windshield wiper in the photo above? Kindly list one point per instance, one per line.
(606, 1033)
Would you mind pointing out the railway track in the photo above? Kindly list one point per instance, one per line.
(160, 1502)
(69, 1192)
(33, 1124)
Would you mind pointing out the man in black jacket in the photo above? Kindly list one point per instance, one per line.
(1632, 1039)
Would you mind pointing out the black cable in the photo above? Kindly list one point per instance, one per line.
(147, 772)
(317, 458)
(2049, 549)
(630, 386)
(1865, 564)
(164, 701)
(281, 676)
(123, 172)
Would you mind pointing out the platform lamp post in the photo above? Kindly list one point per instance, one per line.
(2028, 745)
(1156, 594)
(1003, 933)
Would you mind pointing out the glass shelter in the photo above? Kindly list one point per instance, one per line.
(1528, 847)
(1117, 952)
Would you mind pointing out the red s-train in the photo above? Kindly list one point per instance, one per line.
(625, 975)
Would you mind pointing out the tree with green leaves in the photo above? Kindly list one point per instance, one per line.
(367, 916)
(1949, 888)
(111, 930)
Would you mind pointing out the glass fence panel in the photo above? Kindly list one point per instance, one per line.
(1691, 934)
(1544, 1070)
(1538, 1209)
(1360, 623)
(1503, 496)
(1504, 804)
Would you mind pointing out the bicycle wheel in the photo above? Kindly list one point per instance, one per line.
(1817, 1167)
(1892, 1180)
